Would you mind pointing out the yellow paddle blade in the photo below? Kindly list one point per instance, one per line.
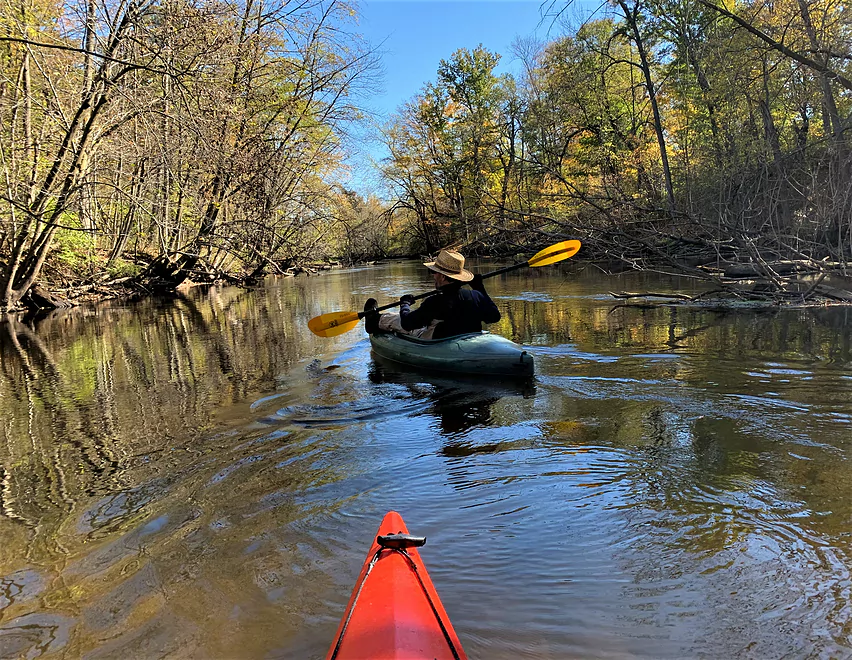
(554, 253)
(331, 325)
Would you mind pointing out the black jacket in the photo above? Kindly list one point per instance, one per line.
(459, 310)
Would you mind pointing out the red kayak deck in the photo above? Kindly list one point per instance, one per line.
(394, 612)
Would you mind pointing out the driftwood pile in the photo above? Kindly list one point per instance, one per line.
(789, 283)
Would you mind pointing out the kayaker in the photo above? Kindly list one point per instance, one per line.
(455, 311)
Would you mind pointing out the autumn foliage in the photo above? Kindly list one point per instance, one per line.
(662, 133)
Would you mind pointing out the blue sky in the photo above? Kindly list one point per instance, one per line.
(414, 35)
(417, 34)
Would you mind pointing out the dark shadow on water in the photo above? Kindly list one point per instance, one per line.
(457, 402)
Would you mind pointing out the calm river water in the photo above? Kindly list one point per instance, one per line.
(201, 477)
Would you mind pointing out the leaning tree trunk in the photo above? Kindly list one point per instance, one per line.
(632, 18)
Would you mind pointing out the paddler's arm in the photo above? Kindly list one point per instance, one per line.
(487, 309)
(420, 317)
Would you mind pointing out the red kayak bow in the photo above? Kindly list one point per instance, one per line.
(394, 612)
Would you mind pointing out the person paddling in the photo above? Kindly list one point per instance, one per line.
(455, 311)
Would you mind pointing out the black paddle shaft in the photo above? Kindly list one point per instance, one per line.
(447, 287)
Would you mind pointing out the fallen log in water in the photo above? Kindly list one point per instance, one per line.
(834, 293)
(627, 294)
(39, 298)
(750, 270)
(814, 296)
(783, 267)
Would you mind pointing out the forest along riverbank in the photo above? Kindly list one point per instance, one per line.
(202, 475)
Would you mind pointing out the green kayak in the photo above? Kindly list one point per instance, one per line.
(477, 353)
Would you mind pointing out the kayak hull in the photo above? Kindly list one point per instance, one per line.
(476, 353)
(394, 612)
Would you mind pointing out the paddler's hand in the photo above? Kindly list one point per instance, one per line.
(477, 285)
(407, 300)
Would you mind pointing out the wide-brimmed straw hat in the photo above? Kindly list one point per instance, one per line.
(451, 264)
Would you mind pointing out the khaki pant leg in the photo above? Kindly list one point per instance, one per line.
(391, 323)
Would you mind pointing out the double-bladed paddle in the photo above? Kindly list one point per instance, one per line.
(336, 323)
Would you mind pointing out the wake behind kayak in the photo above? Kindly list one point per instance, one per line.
(394, 612)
